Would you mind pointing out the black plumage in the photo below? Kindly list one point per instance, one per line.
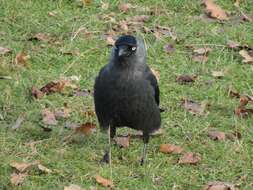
(126, 92)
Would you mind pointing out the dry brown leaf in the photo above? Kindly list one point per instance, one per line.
(104, 182)
(189, 158)
(21, 58)
(219, 185)
(233, 45)
(4, 50)
(21, 166)
(214, 134)
(140, 18)
(86, 128)
(73, 187)
(40, 37)
(169, 48)
(247, 57)
(54, 86)
(194, 107)
(202, 51)
(244, 100)
(44, 169)
(125, 7)
(36, 93)
(237, 3)
(86, 2)
(218, 74)
(243, 112)
(233, 136)
(214, 10)
(200, 58)
(233, 93)
(156, 73)
(184, 79)
(63, 112)
(48, 117)
(170, 148)
(110, 41)
(123, 142)
(18, 122)
(18, 179)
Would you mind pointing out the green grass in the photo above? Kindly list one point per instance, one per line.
(78, 161)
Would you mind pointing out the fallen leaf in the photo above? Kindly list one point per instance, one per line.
(218, 74)
(48, 117)
(36, 93)
(63, 112)
(21, 58)
(4, 50)
(233, 136)
(219, 185)
(44, 169)
(214, 134)
(123, 141)
(194, 107)
(21, 166)
(233, 45)
(86, 128)
(237, 3)
(18, 179)
(156, 73)
(86, 2)
(104, 182)
(125, 7)
(189, 158)
(202, 51)
(170, 148)
(243, 101)
(40, 37)
(140, 18)
(200, 58)
(243, 112)
(54, 86)
(233, 93)
(215, 11)
(247, 57)
(18, 122)
(160, 31)
(169, 48)
(184, 79)
(104, 5)
(110, 41)
(73, 187)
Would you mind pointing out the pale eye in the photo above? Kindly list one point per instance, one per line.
(133, 48)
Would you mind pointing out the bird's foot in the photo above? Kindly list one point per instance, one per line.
(106, 158)
(142, 161)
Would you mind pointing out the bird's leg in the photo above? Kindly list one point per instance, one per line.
(106, 157)
(144, 153)
(110, 134)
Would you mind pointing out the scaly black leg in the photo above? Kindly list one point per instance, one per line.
(144, 153)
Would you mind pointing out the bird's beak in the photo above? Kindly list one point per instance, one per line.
(123, 51)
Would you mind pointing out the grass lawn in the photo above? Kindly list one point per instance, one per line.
(83, 29)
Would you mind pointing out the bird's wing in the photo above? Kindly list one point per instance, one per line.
(152, 79)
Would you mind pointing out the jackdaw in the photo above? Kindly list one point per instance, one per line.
(126, 92)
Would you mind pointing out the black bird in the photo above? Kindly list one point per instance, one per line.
(126, 92)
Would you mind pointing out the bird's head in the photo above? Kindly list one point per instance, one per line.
(125, 46)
